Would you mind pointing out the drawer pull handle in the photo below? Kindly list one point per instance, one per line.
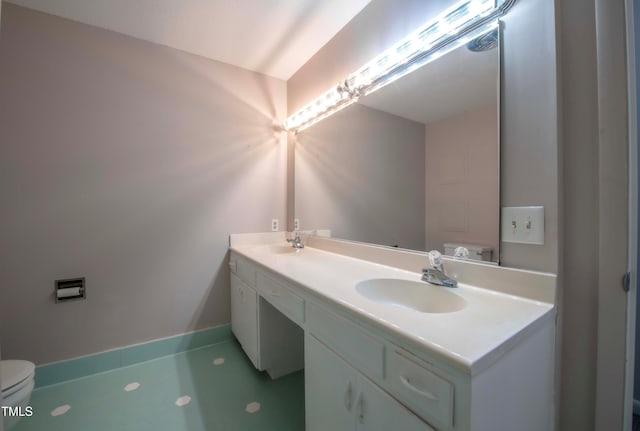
(360, 404)
(348, 395)
(274, 293)
(429, 395)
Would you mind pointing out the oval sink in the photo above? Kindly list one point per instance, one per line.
(278, 249)
(416, 295)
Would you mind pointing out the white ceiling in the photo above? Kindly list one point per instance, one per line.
(274, 37)
(454, 83)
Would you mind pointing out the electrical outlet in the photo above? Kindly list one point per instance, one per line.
(296, 224)
(523, 225)
(274, 225)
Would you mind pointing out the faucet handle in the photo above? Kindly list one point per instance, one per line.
(461, 252)
(435, 259)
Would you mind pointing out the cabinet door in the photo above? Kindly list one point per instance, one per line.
(329, 389)
(338, 398)
(244, 317)
(377, 411)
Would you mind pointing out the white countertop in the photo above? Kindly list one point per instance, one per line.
(470, 339)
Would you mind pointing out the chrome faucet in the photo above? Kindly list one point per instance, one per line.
(296, 242)
(435, 274)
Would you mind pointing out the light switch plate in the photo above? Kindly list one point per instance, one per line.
(523, 225)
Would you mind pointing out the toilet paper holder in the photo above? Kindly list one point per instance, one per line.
(70, 289)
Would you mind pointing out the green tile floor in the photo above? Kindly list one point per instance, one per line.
(210, 388)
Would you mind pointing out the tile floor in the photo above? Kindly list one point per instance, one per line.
(211, 388)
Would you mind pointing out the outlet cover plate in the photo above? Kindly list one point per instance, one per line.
(522, 225)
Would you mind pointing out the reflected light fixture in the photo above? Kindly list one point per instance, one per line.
(456, 26)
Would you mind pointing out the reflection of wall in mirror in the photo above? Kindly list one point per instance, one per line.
(360, 173)
(463, 180)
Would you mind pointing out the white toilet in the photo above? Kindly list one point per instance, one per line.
(17, 379)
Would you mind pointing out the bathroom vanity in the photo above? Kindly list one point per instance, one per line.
(383, 350)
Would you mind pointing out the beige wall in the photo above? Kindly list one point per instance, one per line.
(128, 163)
(579, 236)
(529, 126)
(361, 174)
(462, 180)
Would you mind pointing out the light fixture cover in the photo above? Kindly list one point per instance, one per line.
(454, 27)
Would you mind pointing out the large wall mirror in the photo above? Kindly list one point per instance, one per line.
(413, 165)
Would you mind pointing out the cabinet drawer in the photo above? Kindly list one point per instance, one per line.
(419, 388)
(281, 297)
(362, 350)
(245, 270)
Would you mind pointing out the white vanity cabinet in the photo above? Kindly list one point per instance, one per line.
(382, 365)
(268, 318)
(361, 375)
(339, 398)
(265, 318)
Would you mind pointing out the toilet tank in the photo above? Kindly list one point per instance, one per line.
(477, 252)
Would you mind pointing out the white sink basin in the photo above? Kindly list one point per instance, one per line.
(278, 249)
(416, 295)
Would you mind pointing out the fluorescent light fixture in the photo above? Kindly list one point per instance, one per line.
(454, 27)
(329, 103)
(447, 24)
